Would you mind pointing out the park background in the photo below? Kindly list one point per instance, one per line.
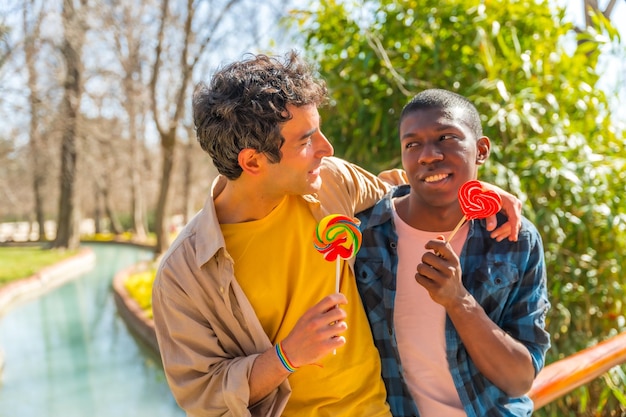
(96, 127)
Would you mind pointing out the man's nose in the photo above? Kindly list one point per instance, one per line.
(430, 153)
(323, 146)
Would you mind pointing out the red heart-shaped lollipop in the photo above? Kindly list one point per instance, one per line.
(477, 202)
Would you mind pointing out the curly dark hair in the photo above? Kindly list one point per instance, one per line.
(245, 106)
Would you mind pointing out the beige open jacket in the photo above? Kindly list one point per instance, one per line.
(208, 333)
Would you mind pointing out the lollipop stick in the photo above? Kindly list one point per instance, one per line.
(337, 281)
(456, 229)
(337, 276)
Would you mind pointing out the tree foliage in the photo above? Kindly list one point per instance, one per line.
(554, 140)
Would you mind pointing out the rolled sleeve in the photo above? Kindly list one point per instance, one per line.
(206, 353)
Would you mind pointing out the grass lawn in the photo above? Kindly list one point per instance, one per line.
(22, 262)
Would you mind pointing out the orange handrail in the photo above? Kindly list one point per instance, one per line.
(567, 374)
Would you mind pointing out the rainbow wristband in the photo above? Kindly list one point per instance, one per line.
(283, 358)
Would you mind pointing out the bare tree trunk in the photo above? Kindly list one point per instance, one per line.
(128, 42)
(137, 203)
(116, 226)
(168, 135)
(168, 143)
(35, 146)
(188, 57)
(68, 217)
(66, 237)
(137, 206)
(97, 216)
(188, 180)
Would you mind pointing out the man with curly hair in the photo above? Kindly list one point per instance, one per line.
(246, 313)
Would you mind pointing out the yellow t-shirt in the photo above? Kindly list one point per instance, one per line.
(283, 275)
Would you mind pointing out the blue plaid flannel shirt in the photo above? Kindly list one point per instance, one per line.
(508, 279)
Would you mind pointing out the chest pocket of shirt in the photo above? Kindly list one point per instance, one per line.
(492, 283)
(370, 276)
(497, 274)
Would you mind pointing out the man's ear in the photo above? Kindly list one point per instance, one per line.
(250, 161)
(483, 148)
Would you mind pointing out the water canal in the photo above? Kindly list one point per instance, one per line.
(68, 353)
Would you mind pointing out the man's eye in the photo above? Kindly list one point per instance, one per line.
(411, 145)
(444, 137)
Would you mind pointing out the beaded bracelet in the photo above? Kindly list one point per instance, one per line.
(283, 358)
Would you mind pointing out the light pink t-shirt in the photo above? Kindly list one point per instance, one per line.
(420, 327)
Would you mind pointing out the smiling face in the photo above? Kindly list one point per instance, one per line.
(298, 171)
(440, 152)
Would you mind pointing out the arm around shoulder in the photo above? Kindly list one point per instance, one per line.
(348, 188)
(394, 176)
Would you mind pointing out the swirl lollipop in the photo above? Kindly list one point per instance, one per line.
(337, 237)
(476, 203)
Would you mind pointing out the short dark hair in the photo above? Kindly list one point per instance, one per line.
(436, 98)
(245, 105)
